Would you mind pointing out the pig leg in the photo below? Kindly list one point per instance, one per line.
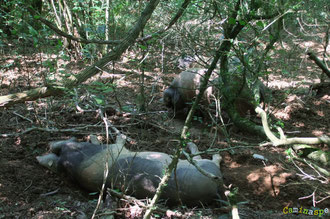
(194, 150)
(93, 139)
(216, 158)
(119, 146)
(121, 139)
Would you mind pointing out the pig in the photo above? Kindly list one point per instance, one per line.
(137, 173)
(184, 88)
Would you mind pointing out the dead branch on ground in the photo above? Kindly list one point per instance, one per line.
(288, 141)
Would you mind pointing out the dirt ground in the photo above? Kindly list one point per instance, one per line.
(265, 187)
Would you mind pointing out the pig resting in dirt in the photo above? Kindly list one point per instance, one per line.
(139, 173)
(184, 88)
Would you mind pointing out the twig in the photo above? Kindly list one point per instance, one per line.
(216, 151)
(311, 166)
(305, 175)
(28, 186)
(320, 169)
(109, 124)
(23, 117)
(106, 164)
(311, 195)
(76, 102)
(205, 173)
(140, 203)
(322, 199)
(50, 193)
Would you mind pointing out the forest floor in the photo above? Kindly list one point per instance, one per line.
(265, 187)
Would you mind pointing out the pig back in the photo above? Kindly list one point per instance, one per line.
(139, 173)
(189, 82)
(194, 187)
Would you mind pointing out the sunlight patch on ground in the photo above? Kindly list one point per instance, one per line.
(268, 179)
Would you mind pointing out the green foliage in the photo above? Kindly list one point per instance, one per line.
(280, 123)
(99, 87)
(232, 196)
(186, 140)
(289, 152)
(198, 118)
(232, 20)
(100, 91)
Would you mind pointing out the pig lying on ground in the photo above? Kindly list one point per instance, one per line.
(185, 87)
(138, 173)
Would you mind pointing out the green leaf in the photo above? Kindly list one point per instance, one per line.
(143, 47)
(108, 90)
(260, 24)
(289, 151)
(285, 72)
(241, 22)
(99, 100)
(232, 20)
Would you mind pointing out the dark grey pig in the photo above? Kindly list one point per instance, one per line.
(138, 173)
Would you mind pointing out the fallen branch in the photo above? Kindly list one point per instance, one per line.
(319, 63)
(12, 99)
(51, 130)
(315, 167)
(288, 141)
(50, 193)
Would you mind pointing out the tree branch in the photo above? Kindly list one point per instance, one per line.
(288, 141)
(12, 99)
(319, 63)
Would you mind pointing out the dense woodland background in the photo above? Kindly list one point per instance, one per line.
(66, 66)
